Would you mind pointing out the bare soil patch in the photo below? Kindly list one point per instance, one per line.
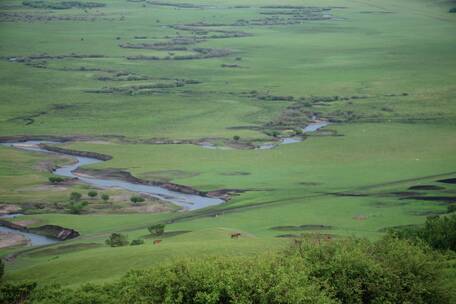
(148, 208)
(12, 239)
(26, 223)
(360, 217)
(9, 208)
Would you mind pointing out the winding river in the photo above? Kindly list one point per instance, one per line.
(35, 239)
(187, 201)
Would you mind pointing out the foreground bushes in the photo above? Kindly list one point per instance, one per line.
(438, 232)
(351, 271)
(388, 271)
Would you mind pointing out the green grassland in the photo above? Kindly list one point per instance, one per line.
(394, 62)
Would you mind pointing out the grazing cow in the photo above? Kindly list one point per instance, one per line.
(235, 235)
(156, 242)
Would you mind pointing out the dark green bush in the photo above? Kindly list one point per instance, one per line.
(388, 271)
(16, 293)
(451, 208)
(157, 229)
(92, 194)
(86, 294)
(105, 197)
(77, 207)
(56, 179)
(136, 199)
(117, 240)
(452, 10)
(438, 232)
(75, 196)
(137, 242)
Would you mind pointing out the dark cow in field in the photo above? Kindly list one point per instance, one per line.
(156, 242)
(235, 235)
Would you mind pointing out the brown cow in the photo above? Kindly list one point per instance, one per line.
(235, 235)
(156, 242)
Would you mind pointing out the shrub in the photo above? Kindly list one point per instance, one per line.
(452, 10)
(157, 229)
(137, 242)
(236, 137)
(269, 279)
(92, 194)
(349, 271)
(451, 208)
(56, 179)
(117, 240)
(88, 293)
(16, 293)
(273, 133)
(438, 232)
(105, 197)
(77, 207)
(136, 199)
(388, 271)
(75, 196)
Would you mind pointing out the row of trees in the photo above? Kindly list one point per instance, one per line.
(76, 206)
(76, 196)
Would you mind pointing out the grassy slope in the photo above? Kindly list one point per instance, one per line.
(373, 54)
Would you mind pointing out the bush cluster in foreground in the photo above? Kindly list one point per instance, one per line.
(439, 232)
(350, 271)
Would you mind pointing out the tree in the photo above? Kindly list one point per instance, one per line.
(92, 194)
(75, 196)
(117, 240)
(77, 207)
(56, 179)
(105, 197)
(157, 229)
(136, 199)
